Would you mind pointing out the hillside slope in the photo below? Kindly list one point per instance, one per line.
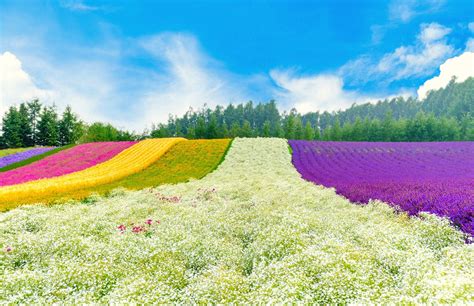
(252, 231)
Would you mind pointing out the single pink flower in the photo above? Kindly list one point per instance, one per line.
(122, 227)
(149, 221)
(8, 249)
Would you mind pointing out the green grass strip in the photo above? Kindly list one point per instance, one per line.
(34, 158)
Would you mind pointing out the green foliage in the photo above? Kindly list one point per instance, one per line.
(106, 132)
(33, 124)
(445, 115)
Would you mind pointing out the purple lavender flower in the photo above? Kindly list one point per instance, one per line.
(436, 177)
(17, 157)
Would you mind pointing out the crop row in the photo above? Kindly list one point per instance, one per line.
(6, 152)
(129, 161)
(20, 156)
(68, 161)
(417, 177)
(186, 160)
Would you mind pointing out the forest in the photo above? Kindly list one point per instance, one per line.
(445, 115)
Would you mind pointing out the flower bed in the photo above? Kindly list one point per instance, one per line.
(72, 160)
(431, 177)
(20, 156)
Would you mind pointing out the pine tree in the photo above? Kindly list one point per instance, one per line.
(34, 111)
(48, 134)
(69, 127)
(11, 129)
(25, 126)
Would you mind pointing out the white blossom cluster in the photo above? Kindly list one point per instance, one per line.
(250, 232)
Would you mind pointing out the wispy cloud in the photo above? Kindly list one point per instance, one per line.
(78, 5)
(190, 78)
(417, 60)
(406, 10)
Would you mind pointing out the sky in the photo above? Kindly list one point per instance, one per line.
(132, 63)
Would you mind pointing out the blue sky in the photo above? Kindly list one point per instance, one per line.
(134, 62)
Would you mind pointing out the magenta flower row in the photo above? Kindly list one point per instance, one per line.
(71, 160)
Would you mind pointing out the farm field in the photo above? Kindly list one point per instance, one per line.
(9, 159)
(131, 160)
(6, 152)
(71, 160)
(191, 159)
(432, 177)
(252, 231)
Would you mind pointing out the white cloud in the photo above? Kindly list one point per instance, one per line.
(432, 32)
(16, 84)
(420, 59)
(461, 67)
(78, 5)
(311, 93)
(470, 45)
(470, 26)
(406, 10)
(190, 78)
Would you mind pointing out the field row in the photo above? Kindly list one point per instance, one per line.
(416, 177)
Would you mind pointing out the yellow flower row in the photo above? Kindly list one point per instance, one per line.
(129, 161)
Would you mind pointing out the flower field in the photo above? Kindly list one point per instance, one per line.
(187, 160)
(250, 232)
(22, 155)
(431, 177)
(132, 160)
(6, 152)
(74, 159)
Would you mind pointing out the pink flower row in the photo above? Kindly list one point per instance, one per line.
(71, 160)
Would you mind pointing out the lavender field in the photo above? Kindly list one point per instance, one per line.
(17, 157)
(435, 177)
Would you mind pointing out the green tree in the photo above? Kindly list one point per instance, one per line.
(11, 128)
(25, 126)
(246, 130)
(235, 130)
(48, 134)
(34, 111)
(266, 131)
(336, 132)
(308, 131)
(70, 128)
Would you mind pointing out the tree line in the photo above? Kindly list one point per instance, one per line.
(34, 124)
(445, 115)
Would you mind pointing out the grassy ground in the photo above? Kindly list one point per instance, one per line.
(250, 232)
(6, 152)
(186, 160)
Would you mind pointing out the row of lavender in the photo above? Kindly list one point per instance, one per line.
(18, 157)
(433, 177)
